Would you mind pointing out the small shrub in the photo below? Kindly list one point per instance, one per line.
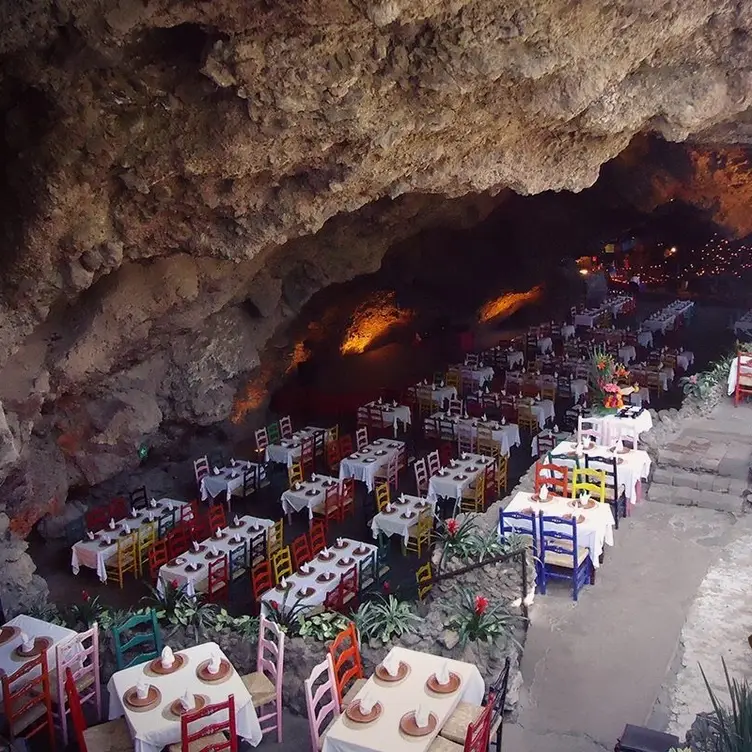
(323, 627)
(385, 618)
(479, 621)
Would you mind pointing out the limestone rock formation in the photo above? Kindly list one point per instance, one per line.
(181, 177)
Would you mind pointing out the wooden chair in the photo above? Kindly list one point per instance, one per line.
(275, 537)
(421, 477)
(257, 548)
(390, 472)
(295, 473)
(318, 537)
(345, 595)
(158, 556)
(219, 736)
(119, 508)
(347, 498)
(526, 419)
(615, 494)
(348, 666)
(281, 564)
(367, 574)
(424, 580)
(546, 443)
(556, 477)
(273, 433)
(97, 518)
(502, 474)
(743, 376)
(265, 683)
(301, 551)
(433, 462)
(217, 518)
(261, 580)
(382, 496)
(322, 703)
(333, 457)
(465, 441)
(419, 536)
(485, 443)
(166, 522)
(146, 537)
(262, 442)
(473, 497)
(150, 640)
(467, 716)
(561, 556)
(178, 540)
(79, 657)
(251, 480)
(307, 455)
(139, 498)
(361, 438)
(218, 581)
(345, 445)
(112, 736)
(587, 480)
(27, 700)
(590, 429)
(329, 510)
(124, 561)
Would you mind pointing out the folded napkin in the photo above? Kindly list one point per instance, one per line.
(214, 663)
(325, 551)
(619, 445)
(380, 401)
(402, 497)
(91, 535)
(314, 478)
(394, 403)
(339, 541)
(232, 462)
(134, 512)
(441, 383)
(537, 397)
(391, 664)
(543, 493)
(442, 675)
(196, 546)
(556, 428)
(503, 421)
(142, 689)
(216, 470)
(112, 523)
(108, 539)
(578, 450)
(187, 701)
(127, 529)
(503, 392)
(218, 532)
(484, 417)
(305, 568)
(283, 582)
(153, 503)
(151, 516)
(170, 505)
(465, 415)
(433, 387)
(168, 657)
(425, 382)
(366, 703)
(27, 642)
(214, 551)
(389, 507)
(297, 485)
(421, 716)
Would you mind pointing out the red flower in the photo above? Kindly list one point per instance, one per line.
(602, 366)
(452, 526)
(274, 605)
(175, 584)
(481, 604)
(387, 587)
(85, 595)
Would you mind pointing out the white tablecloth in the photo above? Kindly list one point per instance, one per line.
(195, 581)
(567, 331)
(616, 303)
(295, 500)
(627, 353)
(213, 485)
(685, 359)
(543, 410)
(645, 339)
(365, 463)
(594, 533)
(397, 699)
(579, 387)
(393, 523)
(587, 318)
(507, 435)
(392, 415)
(287, 452)
(301, 580)
(449, 485)
(634, 465)
(479, 375)
(10, 662)
(91, 554)
(154, 729)
(515, 358)
(545, 344)
(438, 393)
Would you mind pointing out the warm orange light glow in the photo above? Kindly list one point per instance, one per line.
(300, 354)
(508, 303)
(372, 319)
(253, 395)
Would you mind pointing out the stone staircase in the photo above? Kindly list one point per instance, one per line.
(707, 464)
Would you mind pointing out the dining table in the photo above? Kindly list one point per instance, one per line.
(287, 451)
(397, 699)
(228, 479)
(364, 464)
(157, 726)
(506, 435)
(451, 481)
(437, 393)
(307, 494)
(94, 553)
(595, 521)
(401, 515)
(392, 413)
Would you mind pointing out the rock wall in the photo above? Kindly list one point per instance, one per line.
(167, 165)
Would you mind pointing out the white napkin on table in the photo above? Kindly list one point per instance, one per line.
(380, 401)
(196, 546)
(153, 503)
(619, 445)
(465, 415)
(214, 663)
(584, 498)
(151, 516)
(391, 664)
(402, 497)
(187, 701)
(142, 689)
(236, 520)
(579, 451)
(297, 485)
(218, 532)
(543, 493)
(170, 505)
(127, 529)
(394, 403)
(339, 541)
(441, 383)
(314, 478)
(216, 470)
(305, 568)
(112, 523)
(27, 643)
(325, 551)
(134, 512)
(484, 417)
(91, 535)
(556, 428)
(537, 397)
(283, 583)
(503, 392)
(232, 461)
(442, 675)
(503, 421)
(389, 507)
(108, 539)
(366, 703)
(214, 551)
(421, 716)
(168, 658)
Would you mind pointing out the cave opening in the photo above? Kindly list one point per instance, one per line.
(184, 44)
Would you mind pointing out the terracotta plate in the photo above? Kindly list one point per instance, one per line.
(325, 577)
(132, 700)
(305, 592)
(354, 713)
(341, 546)
(590, 504)
(225, 669)
(41, 645)
(8, 633)
(385, 676)
(157, 667)
(444, 689)
(409, 727)
(176, 707)
(346, 562)
(580, 518)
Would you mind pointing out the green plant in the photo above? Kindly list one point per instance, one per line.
(287, 617)
(48, 612)
(457, 538)
(478, 621)
(384, 618)
(168, 603)
(195, 616)
(489, 545)
(731, 727)
(324, 626)
(109, 617)
(245, 625)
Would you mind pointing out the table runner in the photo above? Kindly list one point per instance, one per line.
(356, 466)
(295, 500)
(395, 523)
(383, 735)
(594, 533)
(154, 729)
(88, 553)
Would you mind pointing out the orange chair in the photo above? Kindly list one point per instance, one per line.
(217, 517)
(301, 551)
(27, 701)
(346, 498)
(178, 540)
(330, 508)
(318, 537)
(556, 477)
(261, 580)
(743, 376)
(348, 665)
(158, 556)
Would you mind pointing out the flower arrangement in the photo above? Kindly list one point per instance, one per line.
(480, 621)
(608, 381)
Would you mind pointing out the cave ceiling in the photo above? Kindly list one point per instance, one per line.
(175, 170)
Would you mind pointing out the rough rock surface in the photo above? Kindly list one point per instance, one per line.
(166, 166)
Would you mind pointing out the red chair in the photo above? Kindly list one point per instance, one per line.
(217, 585)
(158, 556)
(556, 477)
(330, 508)
(346, 497)
(332, 456)
(743, 376)
(113, 735)
(301, 551)
(178, 540)
(210, 737)
(318, 537)
(97, 518)
(345, 445)
(217, 517)
(119, 508)
(261, 580)
(306, 455)
(478, 733)
(345, 595)
(200, 528)
(446, 453)
(27, 701)
(348, 665)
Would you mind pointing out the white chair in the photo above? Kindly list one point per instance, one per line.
(200, 469)
(591, 429)
(285, 427)
(361, 438)
(628, 434)
(421, 476)
(472, 360)
(321, 701)
(434, 462)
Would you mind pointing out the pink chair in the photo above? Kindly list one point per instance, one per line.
(361, 438)
(265, 683)
(321, 701)
(434, 462)
(285, 427)
(79, 654)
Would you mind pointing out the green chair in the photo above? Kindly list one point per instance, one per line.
(273, 433)
(151, 640)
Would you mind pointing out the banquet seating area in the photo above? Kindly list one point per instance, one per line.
(328, 515)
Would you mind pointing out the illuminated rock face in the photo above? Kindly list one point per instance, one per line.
(167, 166)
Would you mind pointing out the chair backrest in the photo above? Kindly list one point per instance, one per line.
(332, 453)
(273, 433)
(546, 443)
(322, 700)
(250, 479)
(217, 518)
(139, 497)
(178, 540)
(219, 579)
(479, 732)
(556, 477)
(97, 518)
(591, 429)
(558, 535)
(26, 694)
(424, 580)
(275, 536)
(238, 560)
(224, 727)
(465, 442)
(307, 454)
(346, 490)
(281, 564)
(119, 508)
(318, 537)
(166, 522)
(285, 427)
(261, 579)
(367, 574)
(152, 639)
(361, 437)
(262, 440)
(271, 653)
(382, 495)
(346, 660)
(158, 556)
(76, 711)
(609, 467)
(421, 475)
(434, 462)
(345, 445)
(301, 551)
(590, 481)
(295, 473)
(519, 523)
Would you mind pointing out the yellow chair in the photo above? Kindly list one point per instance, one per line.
(475, 499)
(502, 470)
(382, 496)
(274, 537)
(526, 419)
(124, 560)
(485, 444)
(332, 434)
(295, 473)
(281, 564)
(147, 536)
(424, 579)
(425, 403)
(548, 391)
(420, 536)
(453, 379)
(589, 480)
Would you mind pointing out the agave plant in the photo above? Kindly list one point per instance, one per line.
(174, 598)
(731, 727)
(384, 618)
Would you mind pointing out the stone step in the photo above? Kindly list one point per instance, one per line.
(705, 454)
(681, 478)
(695, 497)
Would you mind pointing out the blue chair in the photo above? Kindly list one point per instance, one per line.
(149, 642)
(524, 525)
(561, 558)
